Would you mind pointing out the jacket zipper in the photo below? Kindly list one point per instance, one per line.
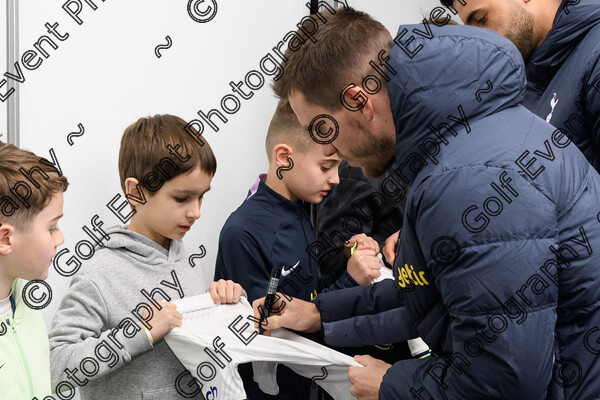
(22, 355)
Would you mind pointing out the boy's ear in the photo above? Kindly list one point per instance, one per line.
(134, 193)
(281, 152)
(6, 233)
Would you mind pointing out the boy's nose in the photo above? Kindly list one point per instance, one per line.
(334, 179)
(194, 212)
(61, 239)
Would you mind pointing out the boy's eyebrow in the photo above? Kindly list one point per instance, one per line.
(57, 218)
(331, 159)
(187, 191)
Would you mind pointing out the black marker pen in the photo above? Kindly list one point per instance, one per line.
(270, 298)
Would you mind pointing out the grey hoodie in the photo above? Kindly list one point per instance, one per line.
(97, 342)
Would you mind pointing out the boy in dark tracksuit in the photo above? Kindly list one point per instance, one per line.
(272, 230)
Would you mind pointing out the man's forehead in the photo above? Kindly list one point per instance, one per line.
(464, 6)
(330, 151)
(471, 3)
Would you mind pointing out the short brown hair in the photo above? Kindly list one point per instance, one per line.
(157, 149)
(285, 128)
(27, 184)
(344, 46)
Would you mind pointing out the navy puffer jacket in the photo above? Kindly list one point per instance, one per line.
(563, 76)
(498, 264)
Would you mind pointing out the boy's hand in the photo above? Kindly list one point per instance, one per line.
(364, 242)
(364, 266)
(164, 320)
(390, 248)
(295, 314)
(367, 379)
(224, 292)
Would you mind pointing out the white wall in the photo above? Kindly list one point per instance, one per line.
(3, 66)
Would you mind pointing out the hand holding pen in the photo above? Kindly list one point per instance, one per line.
(270, 298)
(363, 264)
(360, 242)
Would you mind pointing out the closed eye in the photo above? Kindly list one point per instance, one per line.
(180, 199)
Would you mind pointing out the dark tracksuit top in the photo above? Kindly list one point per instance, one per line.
(269, 231)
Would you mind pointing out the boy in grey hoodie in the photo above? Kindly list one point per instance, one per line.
(107, 335)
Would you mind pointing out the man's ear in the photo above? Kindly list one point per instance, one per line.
(134, 192)
(356, 99)
(281, 152)
(6, 234)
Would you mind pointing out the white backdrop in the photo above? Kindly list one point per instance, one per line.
(3, 66)
(106, 75)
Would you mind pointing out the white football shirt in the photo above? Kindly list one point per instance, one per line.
(214, 339)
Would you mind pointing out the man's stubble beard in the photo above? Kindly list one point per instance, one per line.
(377, 153)
(522, 32)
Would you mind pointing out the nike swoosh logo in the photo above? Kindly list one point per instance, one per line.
(286, 272)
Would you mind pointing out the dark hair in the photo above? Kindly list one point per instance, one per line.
(447, 3)
(344, 45)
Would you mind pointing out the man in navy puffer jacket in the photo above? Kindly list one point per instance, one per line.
(498, 263)
(560, 41)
